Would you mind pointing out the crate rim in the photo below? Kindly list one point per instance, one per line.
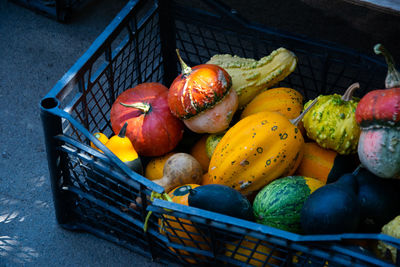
(159, 204)
(50, 104)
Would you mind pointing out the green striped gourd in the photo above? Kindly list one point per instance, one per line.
(279, 203)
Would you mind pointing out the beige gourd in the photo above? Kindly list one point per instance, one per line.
(180, 169)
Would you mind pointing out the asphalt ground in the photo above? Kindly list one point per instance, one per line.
(35, 51)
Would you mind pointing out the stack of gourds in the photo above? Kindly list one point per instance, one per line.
(261, 154)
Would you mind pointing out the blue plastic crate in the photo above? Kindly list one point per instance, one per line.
(97, 193)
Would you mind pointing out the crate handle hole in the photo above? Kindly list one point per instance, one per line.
(49, 103)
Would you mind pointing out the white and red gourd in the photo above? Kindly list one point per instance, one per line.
(202, 97)
(378, 115)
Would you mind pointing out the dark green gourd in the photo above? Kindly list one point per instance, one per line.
(222, 199)
(379, 200)
(333, 208)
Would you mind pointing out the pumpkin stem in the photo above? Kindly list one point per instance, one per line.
(142, 106)
(348, 95)
(185, 68)
(296, 121)
(122, 132)
(392, 76)
(163, 196)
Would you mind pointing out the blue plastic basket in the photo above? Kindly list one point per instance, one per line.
(97, 193)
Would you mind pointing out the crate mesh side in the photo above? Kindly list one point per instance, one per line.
(92, 97)
(240, 246)
(105, 198)
(320, 69)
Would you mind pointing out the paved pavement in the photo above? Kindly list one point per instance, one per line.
(35, 52)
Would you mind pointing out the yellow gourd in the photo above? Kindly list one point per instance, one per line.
(256, 150)
(154, 169)
(286, 101)
(332, 124)
(392, 228)
(102, 138)
(122, 147)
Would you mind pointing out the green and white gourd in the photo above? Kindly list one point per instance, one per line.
(331, 122)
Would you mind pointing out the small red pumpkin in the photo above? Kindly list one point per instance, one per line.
(152, 129)
(378, 114)
(203, 98)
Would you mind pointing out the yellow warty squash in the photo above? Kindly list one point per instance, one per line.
(250, 76)
(255, 151)
(332, 123)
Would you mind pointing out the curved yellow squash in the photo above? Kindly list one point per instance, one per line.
(255, 151)
(286, 101)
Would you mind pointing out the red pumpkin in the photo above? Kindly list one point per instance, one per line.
(202, 97)
(378, 114)
(152, 129)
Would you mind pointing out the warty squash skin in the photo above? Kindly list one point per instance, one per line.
(332, 124)
(250, 76)
(255, 151)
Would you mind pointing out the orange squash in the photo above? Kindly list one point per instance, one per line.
(199, 152)
(206, 179)
(324, 164)
(257, 150)
(253, 252)
(286, 101)
(317, 162)
(181, 231)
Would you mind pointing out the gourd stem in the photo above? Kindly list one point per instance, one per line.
(142, 106)
(122, 132)
(357, 170)
(348, 95)
(296, 121)
(163, 196)
(185, 68)
(393, 76)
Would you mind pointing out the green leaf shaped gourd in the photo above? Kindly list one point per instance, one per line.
(331, 122)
